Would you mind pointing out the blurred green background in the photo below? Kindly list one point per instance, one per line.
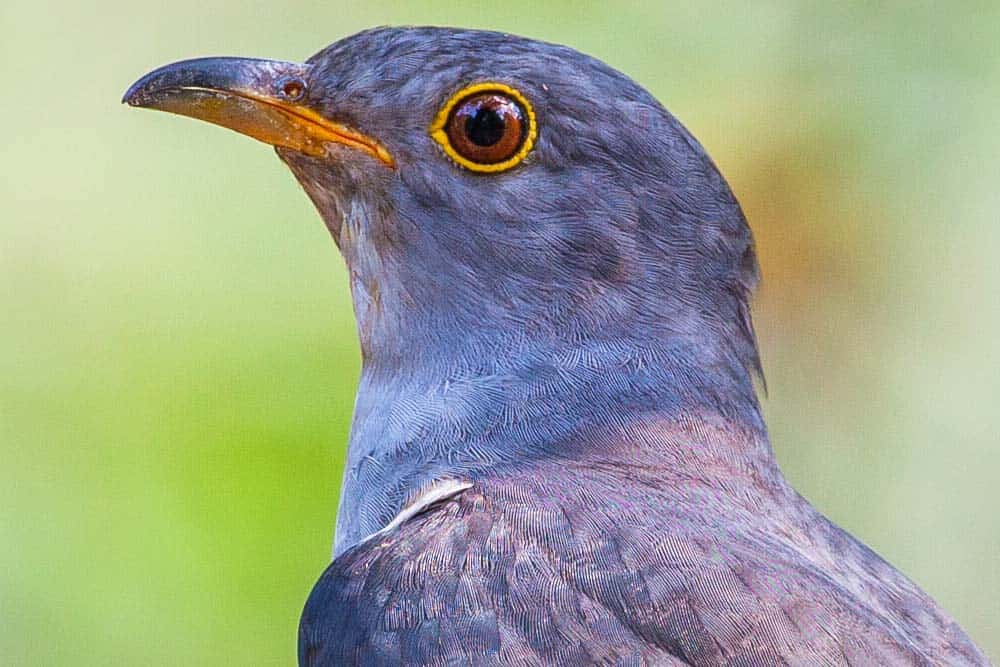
(177, 355)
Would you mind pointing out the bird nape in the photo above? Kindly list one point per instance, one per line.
(557, 454)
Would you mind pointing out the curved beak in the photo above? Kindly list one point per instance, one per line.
(264, 99)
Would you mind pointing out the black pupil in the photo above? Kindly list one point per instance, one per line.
(486, 127)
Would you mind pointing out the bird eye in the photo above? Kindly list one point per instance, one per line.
(486, 127)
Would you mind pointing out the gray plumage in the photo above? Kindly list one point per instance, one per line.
(571, 341)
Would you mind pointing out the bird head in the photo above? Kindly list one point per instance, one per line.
(482, 185)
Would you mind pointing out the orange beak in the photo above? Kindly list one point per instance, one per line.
(263, 99)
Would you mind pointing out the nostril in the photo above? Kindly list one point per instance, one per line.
(292, 89)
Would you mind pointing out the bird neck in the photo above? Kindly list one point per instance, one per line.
(475, 364)
(469, 401)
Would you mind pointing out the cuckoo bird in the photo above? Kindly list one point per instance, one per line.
(557, 454)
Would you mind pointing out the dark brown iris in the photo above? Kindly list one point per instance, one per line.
(487, 128)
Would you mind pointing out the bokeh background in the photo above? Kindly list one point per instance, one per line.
(177, 355)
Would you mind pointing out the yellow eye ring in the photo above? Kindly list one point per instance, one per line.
(486, 127)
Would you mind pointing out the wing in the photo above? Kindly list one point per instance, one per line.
(519, 572)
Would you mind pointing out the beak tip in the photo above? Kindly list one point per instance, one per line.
(135, 95)
(143, 91)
